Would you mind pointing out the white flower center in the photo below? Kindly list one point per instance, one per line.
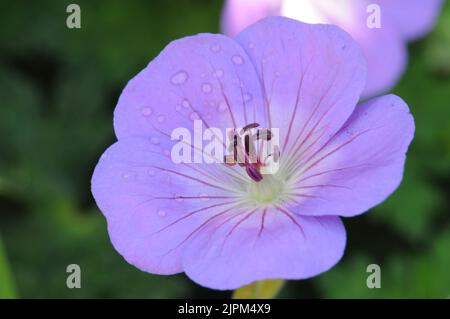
(270, 190)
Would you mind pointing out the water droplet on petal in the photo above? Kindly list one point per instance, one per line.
(186, 103)
(237, 59)
(194, 116)
(178, 198)
(215, 48)
(178, 108)
(218, 73)
(251, 45)
(161, 213)
(179, 78)
(151, 172)
(154, 140)
(206, 88)
(247, 97)
(128, 176)
(147, 111)
(161, 118)
(222, 107)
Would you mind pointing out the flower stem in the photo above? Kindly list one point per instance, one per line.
(264, 289)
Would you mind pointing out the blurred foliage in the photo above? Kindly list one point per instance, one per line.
(58, 88)
(7, 287)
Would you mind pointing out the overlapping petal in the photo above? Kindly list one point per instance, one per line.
(206, 77)
(238, 14)
(362, 165)
(384, 47)
(153, 205)
(263, 244)
(312, 77)
(413, 18)
(304, 80)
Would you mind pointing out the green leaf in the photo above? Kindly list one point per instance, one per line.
(7, 287)
(421, 275)
(412, 208)
(264, 289)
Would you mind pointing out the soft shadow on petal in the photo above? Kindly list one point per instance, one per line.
(263, 244)
(362, 165)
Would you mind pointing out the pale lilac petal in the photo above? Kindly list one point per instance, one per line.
(412, 18)
(153, 205)
(239, 14)
(263, 244)
(386, 56)
(384, 48)
(312, 77)
(206, 77)
(362, 165)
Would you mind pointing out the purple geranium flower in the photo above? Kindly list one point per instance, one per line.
(384, 47)
(226, 226)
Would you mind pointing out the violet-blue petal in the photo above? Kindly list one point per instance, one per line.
(206, 77)
(384, 47)
(239, 14)
(151, 204)
(263, 244)
(312, 77)
(362, 165)
(412, 18)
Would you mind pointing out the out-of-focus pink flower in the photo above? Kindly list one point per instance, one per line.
(384, 47)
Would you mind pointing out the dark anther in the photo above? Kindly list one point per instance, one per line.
(254, 173)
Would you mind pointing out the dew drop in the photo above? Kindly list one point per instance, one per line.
(251, 45)
(178, 108)
(154, 140)
(179, 78)
(178, 198)
(151, 172)
(237, 59)
(161, 213)
(128, 176)
(161, 118)
(146, 111)
(186, 103)
(206, 88)
(215, 48)
(194, 116)
(222, 107)
(218, 73)
(247, 97)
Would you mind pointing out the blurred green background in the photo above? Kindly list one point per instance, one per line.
(58, 89)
